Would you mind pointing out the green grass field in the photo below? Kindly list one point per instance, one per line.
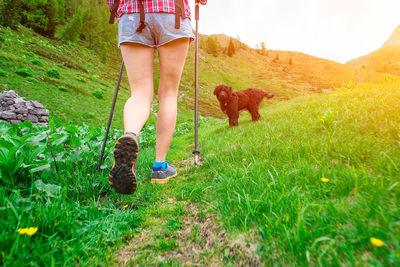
(315, 182)
(259, 184)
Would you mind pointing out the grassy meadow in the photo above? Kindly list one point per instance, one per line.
(315, 182)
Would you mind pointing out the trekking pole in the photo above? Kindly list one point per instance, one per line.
(111, 115)
(196, 151)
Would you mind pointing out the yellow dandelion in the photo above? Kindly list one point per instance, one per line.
(88, 174)
(244, 159)
(376, 242)
(31, 230)
(22, 231)
(125, 206)
(28, 231)
(325, 180)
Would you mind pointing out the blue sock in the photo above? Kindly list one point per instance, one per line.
(159, 166)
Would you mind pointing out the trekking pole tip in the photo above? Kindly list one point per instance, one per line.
(196, 154)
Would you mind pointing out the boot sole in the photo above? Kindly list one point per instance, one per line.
(122, 176)
(162, 181)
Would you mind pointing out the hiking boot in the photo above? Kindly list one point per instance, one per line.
(162, 176)
(123, 173)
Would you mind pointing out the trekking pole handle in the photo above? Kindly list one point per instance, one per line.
(203, 2)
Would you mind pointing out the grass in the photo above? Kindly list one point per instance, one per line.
(261, 180)
(267, 175)
(257, 198)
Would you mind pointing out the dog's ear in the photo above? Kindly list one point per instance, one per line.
(228, 90)
(218, 89)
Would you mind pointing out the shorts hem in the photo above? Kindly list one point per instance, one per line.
(191, 39)
(136, 42)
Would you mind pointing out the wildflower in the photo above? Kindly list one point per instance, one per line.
(88, 174)
(376, 242)
(22, 231)
(244, 159)
(29, 231)
(125, 206)
(325, 180)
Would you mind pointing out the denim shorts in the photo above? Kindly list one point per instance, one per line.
(159, 30)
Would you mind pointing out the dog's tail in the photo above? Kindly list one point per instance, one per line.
(269, 96)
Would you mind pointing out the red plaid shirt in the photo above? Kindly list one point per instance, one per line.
(150, 6)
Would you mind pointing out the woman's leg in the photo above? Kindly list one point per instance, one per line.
(172, 60)
(138, 61)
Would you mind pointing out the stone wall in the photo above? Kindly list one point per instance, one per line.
(15, 109)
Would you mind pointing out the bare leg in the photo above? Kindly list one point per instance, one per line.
(172, 60)
(139, 67)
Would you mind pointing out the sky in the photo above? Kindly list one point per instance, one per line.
(339, 30)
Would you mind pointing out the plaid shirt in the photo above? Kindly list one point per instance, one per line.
(150, 6)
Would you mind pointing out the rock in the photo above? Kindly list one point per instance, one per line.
(40, 112)
(10, 108)
(15, 109)
(36, 104)
(21, 110)
(32, 118)
(43, 119)
(8, 115)
(29, 105)
(9, 94)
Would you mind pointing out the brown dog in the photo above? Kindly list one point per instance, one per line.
(233, 102)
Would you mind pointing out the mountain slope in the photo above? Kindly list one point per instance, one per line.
(394, 40)
(84, 74)
(385, 60)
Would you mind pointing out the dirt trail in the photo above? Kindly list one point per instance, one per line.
(177, 233)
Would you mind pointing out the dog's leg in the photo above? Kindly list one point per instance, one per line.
(253, 109)
(233, 113)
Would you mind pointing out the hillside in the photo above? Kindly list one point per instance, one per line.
(384, 60)
(314, 182)
(84, 82)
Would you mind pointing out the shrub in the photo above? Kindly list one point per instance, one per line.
(212, 46)
(62, 88)
(231, 48)
(98, 93)
(30, 54)
(36, 62)
(32, 80)
(91, 115)
(2, 73)
(24, 72)
(53, 73)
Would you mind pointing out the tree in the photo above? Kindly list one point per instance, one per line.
(263, 49)
(212, 45)
(231, 48)
(42, 15)
(10, 11)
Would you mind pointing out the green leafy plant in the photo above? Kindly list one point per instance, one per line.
(62, 88)
(53, 73)
(32, 80)
(98, 93)
(24, 72)
(36, 62)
